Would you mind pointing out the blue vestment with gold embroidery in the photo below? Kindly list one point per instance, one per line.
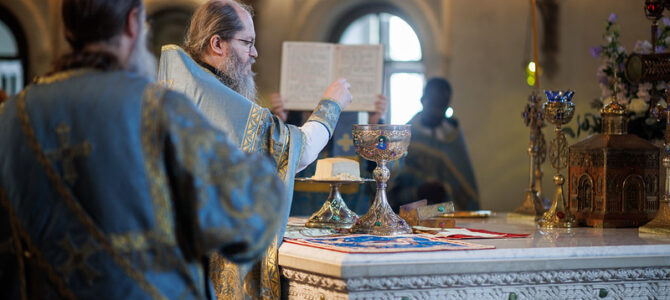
(112, 187)
(253, 129)
(435, 155)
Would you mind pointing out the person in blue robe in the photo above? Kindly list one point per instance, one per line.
(437, 166)
(111, 186)
(214, 71)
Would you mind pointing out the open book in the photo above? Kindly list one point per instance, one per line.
(308, 68)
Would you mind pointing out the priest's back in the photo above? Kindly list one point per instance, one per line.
(112, 187)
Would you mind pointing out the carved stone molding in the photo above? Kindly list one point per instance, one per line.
(628, 283)
(478, 279)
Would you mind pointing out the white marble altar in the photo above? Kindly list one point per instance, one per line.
(578, 263)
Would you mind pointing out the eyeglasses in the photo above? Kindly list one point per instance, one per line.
(249, 44)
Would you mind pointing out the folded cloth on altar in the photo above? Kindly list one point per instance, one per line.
(363, 243)
(467, 233)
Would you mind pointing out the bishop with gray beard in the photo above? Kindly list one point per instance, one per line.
(214, 70)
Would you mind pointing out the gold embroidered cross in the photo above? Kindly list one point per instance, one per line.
(67, 153)
(77, 258)
(345, 142)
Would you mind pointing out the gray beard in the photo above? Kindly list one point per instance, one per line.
(231, 73)
(141, 60)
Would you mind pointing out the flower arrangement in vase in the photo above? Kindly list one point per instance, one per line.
(613, 83)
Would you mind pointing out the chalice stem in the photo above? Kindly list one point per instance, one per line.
(381, 174)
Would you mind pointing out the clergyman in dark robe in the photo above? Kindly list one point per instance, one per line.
(437, 167)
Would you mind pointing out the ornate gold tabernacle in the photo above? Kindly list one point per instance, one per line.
(613, 176)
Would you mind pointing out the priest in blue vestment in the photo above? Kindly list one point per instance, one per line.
(214, 70)
(437, 166)
(111, 186)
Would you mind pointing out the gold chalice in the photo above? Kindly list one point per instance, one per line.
(381, 144)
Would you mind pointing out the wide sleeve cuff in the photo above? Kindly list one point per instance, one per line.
(326, 113)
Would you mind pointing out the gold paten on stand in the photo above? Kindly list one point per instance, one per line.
(533, 203)
(558, 110)
(661, 223)
(334, 214)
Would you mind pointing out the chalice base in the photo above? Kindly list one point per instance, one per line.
(380, 219)
(558, 216)
(661, 223)
(334, 214)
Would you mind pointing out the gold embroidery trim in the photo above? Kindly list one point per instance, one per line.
(76, 208)
(452, 168)
(61, 76)
(270, 280)
(251, 128)
(151, 101)
(20, 234)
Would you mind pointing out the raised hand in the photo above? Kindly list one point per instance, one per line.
(277, 106)
(339, 92)
(381, 105)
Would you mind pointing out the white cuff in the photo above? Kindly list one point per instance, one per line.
(316, 138)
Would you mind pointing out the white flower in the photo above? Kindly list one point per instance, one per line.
(638, 106)
(642, 47)
(643, 91)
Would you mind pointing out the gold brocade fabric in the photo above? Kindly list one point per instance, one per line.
(258, 281)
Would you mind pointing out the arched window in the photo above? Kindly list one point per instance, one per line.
(13, 55)
(633, 194)
(585, 194)
(403, 63)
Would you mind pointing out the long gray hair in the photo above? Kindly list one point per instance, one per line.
(216, 17)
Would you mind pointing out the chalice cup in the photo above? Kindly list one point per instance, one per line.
(558, 110)
(381, 144)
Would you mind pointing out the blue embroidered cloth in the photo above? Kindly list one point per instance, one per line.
(363, 243)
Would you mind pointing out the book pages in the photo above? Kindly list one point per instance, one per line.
(362, 66)
(306, 72)
(308, 68)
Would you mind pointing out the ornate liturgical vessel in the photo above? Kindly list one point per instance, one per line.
(381, 144)
(613, 176)
(558, 110)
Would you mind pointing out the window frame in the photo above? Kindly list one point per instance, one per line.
(390, 66)
(18, 33)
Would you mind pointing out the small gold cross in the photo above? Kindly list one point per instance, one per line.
(77, 258)
(345, 142)
(67, 153)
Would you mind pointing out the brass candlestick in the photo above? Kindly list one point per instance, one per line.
(533, 203)
(661, 223)
(381, 144)
(558, 110)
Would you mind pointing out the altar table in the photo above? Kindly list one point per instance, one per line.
(577, 263)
